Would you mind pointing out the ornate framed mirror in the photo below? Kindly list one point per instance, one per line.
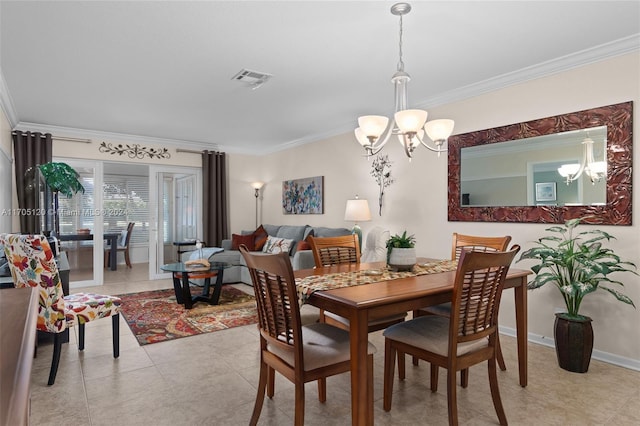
(551, 198)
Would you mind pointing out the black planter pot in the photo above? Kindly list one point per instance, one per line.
(574, 342)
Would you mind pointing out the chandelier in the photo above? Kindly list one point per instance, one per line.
(595, 170)
(409, 125)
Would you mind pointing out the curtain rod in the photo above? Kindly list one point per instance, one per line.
(189, 151)
(63, 138)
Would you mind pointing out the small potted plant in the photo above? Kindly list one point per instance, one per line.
(577, 264)
(401, 252)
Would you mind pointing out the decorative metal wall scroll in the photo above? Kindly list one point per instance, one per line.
(134, 150)
(381, 172)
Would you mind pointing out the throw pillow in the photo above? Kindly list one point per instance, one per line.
(277, 245)
(303, 245)
(247, 240)
(259, 238)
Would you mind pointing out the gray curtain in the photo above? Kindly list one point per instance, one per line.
(214, 206)
(30, 149)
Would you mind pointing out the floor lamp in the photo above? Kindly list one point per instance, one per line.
(256, 186)
(357, 211)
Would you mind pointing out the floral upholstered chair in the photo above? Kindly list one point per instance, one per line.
(32, 264)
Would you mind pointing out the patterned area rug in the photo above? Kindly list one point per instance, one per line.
(154, 316)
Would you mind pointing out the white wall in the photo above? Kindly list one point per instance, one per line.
(417, 201)
(6, 173)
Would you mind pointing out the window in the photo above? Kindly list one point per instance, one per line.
(126, 199)
(77, 212)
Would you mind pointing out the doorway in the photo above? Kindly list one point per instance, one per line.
(175, 213)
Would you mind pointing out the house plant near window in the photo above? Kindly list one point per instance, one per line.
(60, 178)
(401, 252)
(578, 264)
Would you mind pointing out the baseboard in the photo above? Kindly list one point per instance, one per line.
(630, 363)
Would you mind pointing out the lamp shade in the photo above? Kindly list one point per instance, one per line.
(361, 137)
(598, 167)
(568, 169)
(410, 120)
(438, 130)
(373, 125)
(257, 185)
(357, 211)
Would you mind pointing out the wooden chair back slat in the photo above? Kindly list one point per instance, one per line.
(328, 251)
(276, 298)
(462, 243)
(477, 291)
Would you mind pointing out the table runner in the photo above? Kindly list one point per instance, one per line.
(306, 286)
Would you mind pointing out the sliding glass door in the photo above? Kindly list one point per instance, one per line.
(81, 225)
(175, 213)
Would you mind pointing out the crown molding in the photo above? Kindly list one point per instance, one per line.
(6, 103)
(544, 69)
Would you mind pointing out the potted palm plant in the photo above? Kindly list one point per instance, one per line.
(60, 178)
(578, 264)
(401, 252)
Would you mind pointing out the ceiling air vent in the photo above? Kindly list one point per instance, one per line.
(252, 79)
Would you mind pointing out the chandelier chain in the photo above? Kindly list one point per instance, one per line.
(400, 62)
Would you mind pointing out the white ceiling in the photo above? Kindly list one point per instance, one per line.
(163, 69)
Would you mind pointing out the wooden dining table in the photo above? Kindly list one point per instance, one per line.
(110, 237)
(360, 302)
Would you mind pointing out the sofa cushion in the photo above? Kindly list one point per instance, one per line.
(277, 245)
(320, 231)
(247, 240)
(230, 256)
(292, 232)
(271, 229)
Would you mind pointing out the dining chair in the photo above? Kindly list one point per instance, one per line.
(32, 264)
(301, 353)
(123, 246)
(465, 338)
(460, 243)
(329, 251)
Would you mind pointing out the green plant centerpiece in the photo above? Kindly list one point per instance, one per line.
(401, 252)
(578, 264)
(60, 178)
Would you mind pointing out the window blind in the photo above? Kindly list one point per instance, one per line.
(126, 199)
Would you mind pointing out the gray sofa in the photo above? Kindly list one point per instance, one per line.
(300, 259)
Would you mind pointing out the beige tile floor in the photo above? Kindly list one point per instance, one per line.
(210, 379)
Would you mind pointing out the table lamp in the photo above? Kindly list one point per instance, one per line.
(357, 211)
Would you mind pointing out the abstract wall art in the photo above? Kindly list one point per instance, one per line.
(303, 196)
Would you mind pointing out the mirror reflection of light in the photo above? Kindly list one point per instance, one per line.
(596, 170)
